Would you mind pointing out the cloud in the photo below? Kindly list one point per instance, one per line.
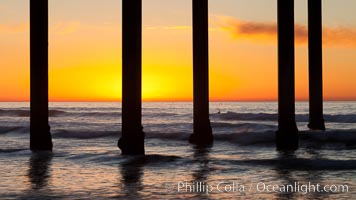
(175, 28)
(58, 28)
(266, 32)
(182, 28)
(14, 28)
(344, 36)
(64, 28)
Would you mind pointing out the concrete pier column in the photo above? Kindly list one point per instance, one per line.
(202, 130)
(287, 134)
(40, 136)
(316, 120)
(132, 139)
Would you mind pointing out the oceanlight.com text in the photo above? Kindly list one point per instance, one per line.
(260, 187)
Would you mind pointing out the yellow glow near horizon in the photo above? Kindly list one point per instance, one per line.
(85, 52)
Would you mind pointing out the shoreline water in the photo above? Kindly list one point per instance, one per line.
(86, 163)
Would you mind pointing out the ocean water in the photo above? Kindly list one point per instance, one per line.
(242, 164)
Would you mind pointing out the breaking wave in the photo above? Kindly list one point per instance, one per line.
(339, 118)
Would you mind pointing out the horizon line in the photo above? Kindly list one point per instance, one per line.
(176, 101)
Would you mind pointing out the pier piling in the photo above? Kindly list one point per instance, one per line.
(287, 134)
(316, 120)
(202, 134)
(40, 136)
(132, 138)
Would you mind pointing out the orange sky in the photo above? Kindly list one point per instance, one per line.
(85, 52)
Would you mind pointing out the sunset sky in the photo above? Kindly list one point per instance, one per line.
(85, 50)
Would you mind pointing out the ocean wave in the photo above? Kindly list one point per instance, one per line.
(242, 138)
(240, 133)
(341, 118)
(11, 129)
(12, 150)
(171, 135)
(26, 113)
(94, 114)
(246, 127)
(251, 138)
(268, 137)
(228, 116)
(153, 159)
(301, 163)
(246, 116)
(83, 134)
(336, 136)
(89, 114)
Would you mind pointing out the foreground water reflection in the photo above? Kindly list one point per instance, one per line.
(203, 173)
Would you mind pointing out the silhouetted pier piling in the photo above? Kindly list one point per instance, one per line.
(202, 130)
(316, 120)
(40, 136)
(287, 134)
(132, 138)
